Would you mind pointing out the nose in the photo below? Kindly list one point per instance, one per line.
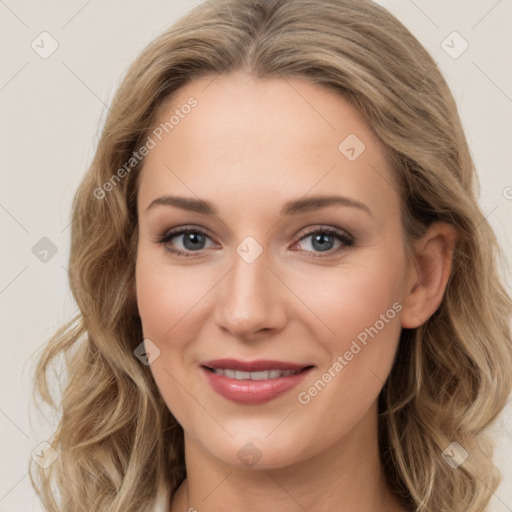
(251, 299)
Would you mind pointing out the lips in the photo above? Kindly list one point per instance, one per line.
(253, 382)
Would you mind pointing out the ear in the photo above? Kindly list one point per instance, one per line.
(428, 273)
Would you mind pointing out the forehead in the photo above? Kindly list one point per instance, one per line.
(248, 136)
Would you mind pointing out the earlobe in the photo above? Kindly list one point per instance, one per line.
(428, 274)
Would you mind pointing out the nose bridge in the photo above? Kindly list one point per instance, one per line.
(250, 301)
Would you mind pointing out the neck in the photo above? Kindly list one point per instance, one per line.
(347, 476)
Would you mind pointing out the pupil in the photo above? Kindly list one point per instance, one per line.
(319, 242)
(191, 239)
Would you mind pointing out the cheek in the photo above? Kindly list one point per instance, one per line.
(366, 298)
(167, 296)
(363, 311)
(353, 297)
(360, 304)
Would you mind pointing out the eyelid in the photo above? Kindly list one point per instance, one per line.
(180, 230)
(347, 240)
(328, 229)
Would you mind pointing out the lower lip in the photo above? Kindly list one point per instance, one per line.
(251, 392)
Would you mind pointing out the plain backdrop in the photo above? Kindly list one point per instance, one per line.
(51, 114)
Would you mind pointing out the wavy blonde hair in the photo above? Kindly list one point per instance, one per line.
(119, 446)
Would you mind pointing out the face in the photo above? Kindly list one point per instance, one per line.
(270, 268)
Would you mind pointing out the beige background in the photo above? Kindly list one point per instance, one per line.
(52, 111)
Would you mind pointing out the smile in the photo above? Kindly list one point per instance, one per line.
(253, 382)
(264, 375)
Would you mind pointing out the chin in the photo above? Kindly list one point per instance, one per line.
(253, 453)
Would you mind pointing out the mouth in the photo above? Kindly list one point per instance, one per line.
(264, 375)
(253, 382)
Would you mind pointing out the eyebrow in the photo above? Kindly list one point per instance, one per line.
(293, 207)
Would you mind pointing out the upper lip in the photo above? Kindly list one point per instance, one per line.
(252, 366)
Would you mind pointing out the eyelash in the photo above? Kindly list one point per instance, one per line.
(346, 240)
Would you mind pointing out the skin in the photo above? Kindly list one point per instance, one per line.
(250, 146)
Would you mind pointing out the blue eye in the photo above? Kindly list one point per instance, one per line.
(324, 239)
(193, 241)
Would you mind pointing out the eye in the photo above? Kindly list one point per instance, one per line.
(190, 240)
(323, 240)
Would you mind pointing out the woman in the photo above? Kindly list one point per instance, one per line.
(288, 294)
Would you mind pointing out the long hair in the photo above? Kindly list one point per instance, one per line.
(118, 445)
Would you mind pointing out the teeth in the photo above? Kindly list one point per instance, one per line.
(260, 375)
(268, 374)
